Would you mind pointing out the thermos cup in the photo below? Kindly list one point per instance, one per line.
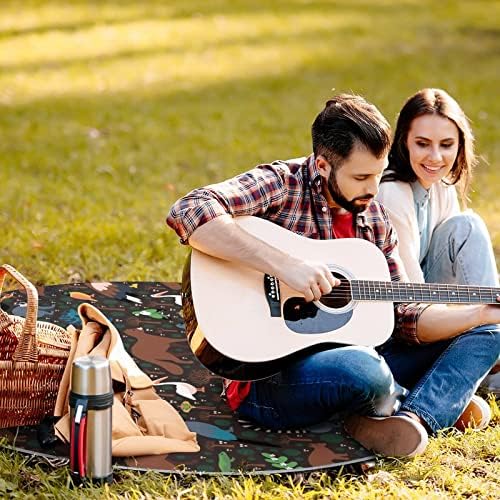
(91, 400)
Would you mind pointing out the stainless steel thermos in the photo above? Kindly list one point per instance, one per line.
(91, 400)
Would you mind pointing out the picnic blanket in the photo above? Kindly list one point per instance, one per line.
(148, 317)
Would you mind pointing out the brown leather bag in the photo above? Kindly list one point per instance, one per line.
(142, 422)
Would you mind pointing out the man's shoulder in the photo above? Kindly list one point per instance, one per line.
(296, 161)
(293, 171)
(291, 166)
(375, 210)
(377, 218)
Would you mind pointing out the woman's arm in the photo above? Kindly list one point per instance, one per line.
(397, 199)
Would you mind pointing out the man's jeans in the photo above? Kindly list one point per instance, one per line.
(441, 379)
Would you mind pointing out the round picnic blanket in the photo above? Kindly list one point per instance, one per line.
(148, 317)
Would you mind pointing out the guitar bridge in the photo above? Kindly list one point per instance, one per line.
(272, 291)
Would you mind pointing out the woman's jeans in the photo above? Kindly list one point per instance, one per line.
(441, 379)
(460, 253)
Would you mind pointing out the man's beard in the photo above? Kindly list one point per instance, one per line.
(342, 201)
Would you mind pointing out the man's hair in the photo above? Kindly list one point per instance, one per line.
(431, 101)
(345, 121)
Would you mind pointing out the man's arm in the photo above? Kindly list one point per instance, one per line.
(223, 238)
(254, 192)
(440, 322)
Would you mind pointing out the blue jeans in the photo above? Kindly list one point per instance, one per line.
(440, 379)
(461, 253)
(443, 376)
(354, 379)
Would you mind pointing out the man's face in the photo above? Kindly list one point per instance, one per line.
(353, 185)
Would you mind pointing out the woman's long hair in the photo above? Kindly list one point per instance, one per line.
(438, 102)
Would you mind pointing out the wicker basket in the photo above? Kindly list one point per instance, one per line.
(33, 355)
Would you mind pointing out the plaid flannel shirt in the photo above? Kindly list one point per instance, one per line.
(289, 193)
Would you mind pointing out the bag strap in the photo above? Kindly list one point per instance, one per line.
(26, 349)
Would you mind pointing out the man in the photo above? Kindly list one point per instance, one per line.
(330, 195)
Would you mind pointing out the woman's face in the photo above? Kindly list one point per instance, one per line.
(433, 144)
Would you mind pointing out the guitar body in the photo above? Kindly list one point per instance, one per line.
(244, 325)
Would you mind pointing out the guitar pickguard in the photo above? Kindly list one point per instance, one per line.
(305, 317)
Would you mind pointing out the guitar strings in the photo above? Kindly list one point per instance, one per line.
(345, 289)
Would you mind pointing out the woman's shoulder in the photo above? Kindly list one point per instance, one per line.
(394, 192)
(444, 190)
(444, 194)
(445, 198)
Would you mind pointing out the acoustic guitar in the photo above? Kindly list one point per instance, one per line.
(245, 325)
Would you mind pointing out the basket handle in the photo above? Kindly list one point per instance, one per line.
(26, 349)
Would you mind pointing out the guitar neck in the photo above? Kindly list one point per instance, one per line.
(423, 292)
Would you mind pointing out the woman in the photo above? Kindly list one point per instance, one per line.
(431, 156)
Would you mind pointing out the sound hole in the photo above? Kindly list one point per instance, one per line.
(340, 295)
(312, 318)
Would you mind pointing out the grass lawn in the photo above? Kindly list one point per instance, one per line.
(111, 110)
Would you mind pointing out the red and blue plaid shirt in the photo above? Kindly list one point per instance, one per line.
(289, 193)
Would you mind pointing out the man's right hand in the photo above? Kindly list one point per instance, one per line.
(311, 279)
(223, 238)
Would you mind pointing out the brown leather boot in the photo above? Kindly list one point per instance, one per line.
(477, 415)
(395, 436)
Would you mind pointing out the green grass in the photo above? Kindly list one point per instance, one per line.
(455, 465)
(111, 110)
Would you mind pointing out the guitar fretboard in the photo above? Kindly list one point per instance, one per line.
(423, 292)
